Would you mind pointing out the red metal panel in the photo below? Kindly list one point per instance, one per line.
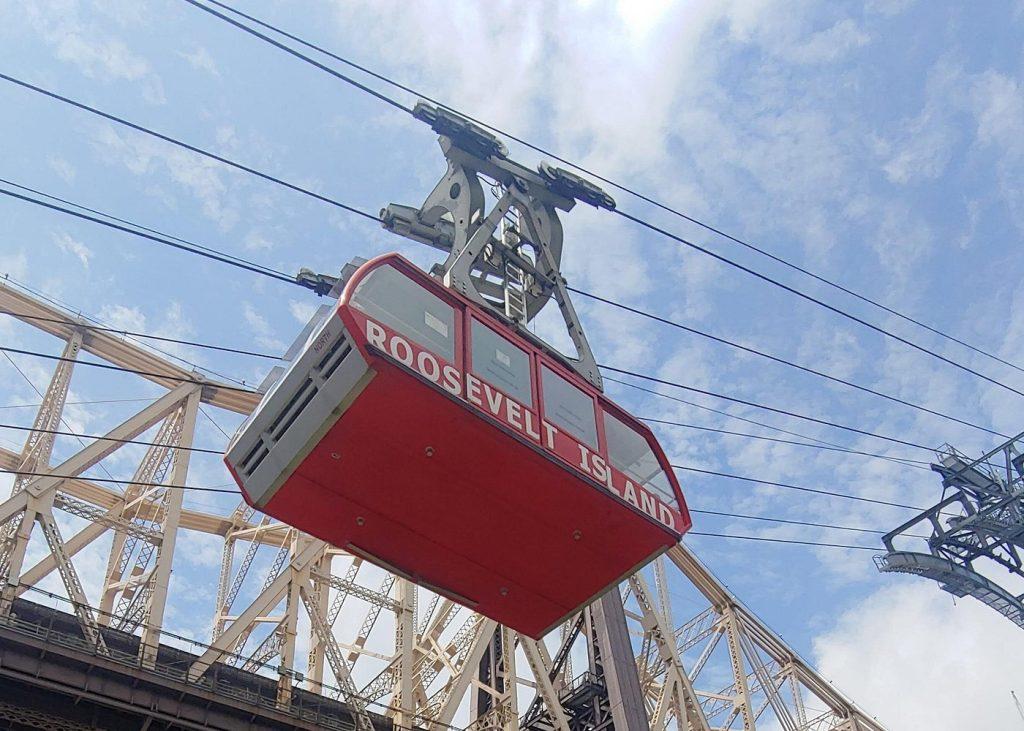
(443, 477)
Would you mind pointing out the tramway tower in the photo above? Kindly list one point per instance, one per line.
(979, 521)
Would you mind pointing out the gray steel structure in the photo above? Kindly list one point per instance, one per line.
(379, 650)
(980, 521)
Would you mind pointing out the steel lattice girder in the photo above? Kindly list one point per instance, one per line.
(420, 664)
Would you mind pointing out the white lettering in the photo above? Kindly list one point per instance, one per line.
(473, 389)
(493, 399)
(549, 434)
(648, 504)
(400, 343)
(528, 415)
(452, 380)
(513, 413)
(375, 335)
(600, 469)
(665, 516)
(630, 494)
(584, 458)
(423, 360)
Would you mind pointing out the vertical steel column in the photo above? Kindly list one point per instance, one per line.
(157, 599)
(625, 697)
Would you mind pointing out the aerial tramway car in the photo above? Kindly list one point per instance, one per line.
(421, 426)
(418, 431)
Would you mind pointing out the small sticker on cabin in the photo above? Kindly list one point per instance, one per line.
(502, 358)
(435, 324)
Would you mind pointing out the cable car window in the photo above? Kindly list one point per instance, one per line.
(396, 301)
(501, 363)
(569, 408)
(630, 453)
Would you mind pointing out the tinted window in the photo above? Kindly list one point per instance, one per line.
(392, 299)
(630, 453)
(501, 363)
(569, 408)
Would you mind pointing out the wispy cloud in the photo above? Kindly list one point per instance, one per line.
(66, 243)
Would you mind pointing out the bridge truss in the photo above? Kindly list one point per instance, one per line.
(315, 622)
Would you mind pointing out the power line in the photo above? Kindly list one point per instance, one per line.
(726, 414)
(782, 540)
(108, 366)
(810, 298)
(185, 145)
(159, 237)
(366, 215)
(352, 209)
(151, 237)
(144, 228)
(772, 483)
(783, 361)
(102, 438)
(919, 463)
(111, 480)
(80, 403)
(773, 409)
(620, 186)
(145, 336)
(787, 521)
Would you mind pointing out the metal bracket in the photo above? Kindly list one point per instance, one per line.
(514, 272)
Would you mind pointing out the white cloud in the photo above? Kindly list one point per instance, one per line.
(302, 311)
(831, 44)
(64, 169)
(74, 247)
(201, 60)
(89, 45)
(262, 331)
(199, 175)
(917, 660)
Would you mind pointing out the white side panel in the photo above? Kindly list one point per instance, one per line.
(298, 410)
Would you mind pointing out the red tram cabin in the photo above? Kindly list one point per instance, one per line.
(419, 431)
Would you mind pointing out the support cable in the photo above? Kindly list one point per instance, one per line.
(620, 186)
(122, 482)
(213, 254)
(111, 367)
(197, 488)
(783, 361)
(364, 214)
(800, 488)
(102, 438)
(785, 412)
(185, 145)
(917, 463)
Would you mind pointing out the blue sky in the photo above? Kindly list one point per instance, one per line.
(880, 144)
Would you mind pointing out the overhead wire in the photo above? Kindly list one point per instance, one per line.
(782, 361)
(791, 541)
(99, 326)
(800, 488)
(918, 463)
(773, 409)
(114, 481)
(105, 438)
(619, 186)
(40, 394)
(161, 238)
(192, 148)
(111, 367)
